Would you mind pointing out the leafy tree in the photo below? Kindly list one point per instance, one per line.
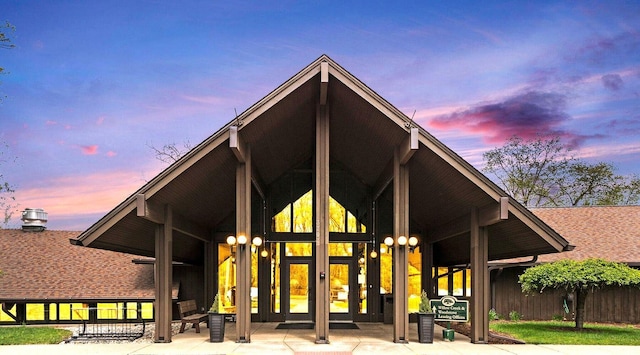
(542, 172)
(581, 277)
(527, 170)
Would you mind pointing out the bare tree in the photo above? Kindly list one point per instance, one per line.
(8, 205)
(170, 153)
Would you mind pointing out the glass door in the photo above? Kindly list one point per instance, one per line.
(298, 291)
(344, 289)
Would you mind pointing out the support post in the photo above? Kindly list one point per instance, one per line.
(243, 254)
(400, 254)
(322, 224)
(164, 277)
(479, 281)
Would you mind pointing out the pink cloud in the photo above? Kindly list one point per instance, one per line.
(527, 115)
(50, 123)
(89, 149)
(100, 120)
(111, 154)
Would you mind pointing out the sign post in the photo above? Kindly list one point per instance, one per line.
(449, 309)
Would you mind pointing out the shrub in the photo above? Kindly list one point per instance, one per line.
(493, 315)
(515, 316)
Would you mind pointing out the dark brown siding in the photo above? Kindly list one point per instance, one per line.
(617, 305)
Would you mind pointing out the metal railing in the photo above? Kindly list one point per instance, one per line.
(108, 324)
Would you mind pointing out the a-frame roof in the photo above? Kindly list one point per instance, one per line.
(364, 131)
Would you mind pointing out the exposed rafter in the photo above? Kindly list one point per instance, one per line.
(155, 212)
(487, 215)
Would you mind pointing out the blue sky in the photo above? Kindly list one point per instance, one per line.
(91, 85)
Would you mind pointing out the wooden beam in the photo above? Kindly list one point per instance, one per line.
(155, 212)
(324, 82)
(400, 254)
(479, 251)
(383, 181)
(321, 201)
(164, 278)
(149, 210)
(494, 213)
(258, 183)
(243, 254)
(409, 146)
(487, 215)
(236, 144)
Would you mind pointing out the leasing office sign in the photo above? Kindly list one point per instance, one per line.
(448, 308)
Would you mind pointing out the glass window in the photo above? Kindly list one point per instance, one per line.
(35, 311)
(340, 249)
(415, 279)
(303, 214)
(299, 249)
(227, 278)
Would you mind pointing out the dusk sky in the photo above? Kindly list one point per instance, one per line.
(92, 84)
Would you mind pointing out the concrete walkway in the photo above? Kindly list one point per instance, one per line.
(371, 338)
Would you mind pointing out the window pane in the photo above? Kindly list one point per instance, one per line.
(282, 221)
(340, 249)
(226, 278)
(415, 280)
(35, 311)
(303, 214)
(336, 216)
(299, 249)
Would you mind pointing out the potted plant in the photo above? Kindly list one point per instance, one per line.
(216, 322)
(426, 320)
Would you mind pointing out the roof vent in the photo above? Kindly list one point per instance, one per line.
(34, 220)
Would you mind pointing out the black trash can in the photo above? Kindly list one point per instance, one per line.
(387, 310)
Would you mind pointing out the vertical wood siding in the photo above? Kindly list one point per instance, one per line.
(616, 305)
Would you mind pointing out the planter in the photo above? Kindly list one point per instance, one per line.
(426, 325)
(216, 327)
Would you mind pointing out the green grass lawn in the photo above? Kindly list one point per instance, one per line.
(558, 332)
(32, 335)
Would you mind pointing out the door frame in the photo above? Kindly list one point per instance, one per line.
(285, 295)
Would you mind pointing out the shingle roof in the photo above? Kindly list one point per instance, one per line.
(608, 232)
(45, 266)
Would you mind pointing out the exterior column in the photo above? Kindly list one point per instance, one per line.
(164, 277)
(479, 281)
(243, 253)
(322, 224)
(400, 257)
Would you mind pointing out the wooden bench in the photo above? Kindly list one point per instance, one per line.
(189, 314)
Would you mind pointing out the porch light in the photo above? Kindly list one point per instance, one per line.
(388, 241)
(402, 240)
(373, 254)
(413, 243)
(231, 240)
(264, 253)
(242, 240)
(257, 241)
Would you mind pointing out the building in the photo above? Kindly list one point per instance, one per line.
(285, 209)
(46, 280)
(608, 232)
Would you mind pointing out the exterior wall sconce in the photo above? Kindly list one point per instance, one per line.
(413, 243)
(264, 253)
(401, 241)
(373, 254)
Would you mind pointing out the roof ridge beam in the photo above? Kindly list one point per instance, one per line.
(324, 82)
(237, 145)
